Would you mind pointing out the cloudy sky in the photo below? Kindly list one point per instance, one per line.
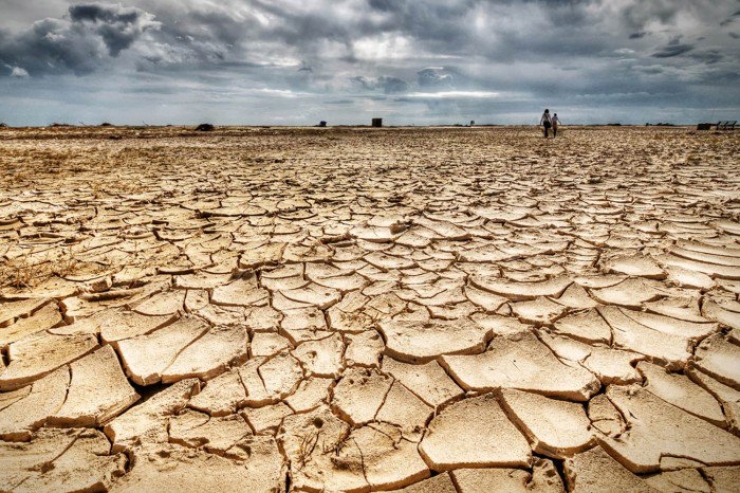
(295, 62)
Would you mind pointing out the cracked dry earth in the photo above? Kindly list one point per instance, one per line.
(434, 310)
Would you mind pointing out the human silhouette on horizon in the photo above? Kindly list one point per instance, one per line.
(546, 121)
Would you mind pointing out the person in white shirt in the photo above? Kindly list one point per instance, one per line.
(555, 122)
(546, 121)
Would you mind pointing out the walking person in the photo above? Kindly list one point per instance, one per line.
(555, 122)
(546, 121)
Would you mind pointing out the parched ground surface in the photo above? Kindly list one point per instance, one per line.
(440, 310)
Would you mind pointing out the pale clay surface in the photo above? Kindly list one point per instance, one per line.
(409, 310)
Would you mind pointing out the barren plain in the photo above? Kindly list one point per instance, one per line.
(459, 310)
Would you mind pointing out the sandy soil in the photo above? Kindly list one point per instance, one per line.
(461, 310)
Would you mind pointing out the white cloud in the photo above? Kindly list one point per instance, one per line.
(281, 93)
(453, 95)
(19, 72)
(386, 46)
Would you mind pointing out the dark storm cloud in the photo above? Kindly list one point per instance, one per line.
(296, 29)
(112, 14)
(393, 85)
(203, 38)
(642, 13)
(650, 70)
(197, 34)
(673, 50)
(709, 57)
(434, 19)
(639, 14)
(729, 78)
(118, 26)
(446, 55)
(731, 18)
(79, 43)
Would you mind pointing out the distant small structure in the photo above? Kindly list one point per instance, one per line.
(204, 127)
(720, 125)
(472, 123)
(322, 123)
(377, 122)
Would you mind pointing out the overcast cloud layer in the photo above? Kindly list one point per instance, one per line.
(346, 61)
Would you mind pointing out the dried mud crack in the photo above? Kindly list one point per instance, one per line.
(416, 310)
